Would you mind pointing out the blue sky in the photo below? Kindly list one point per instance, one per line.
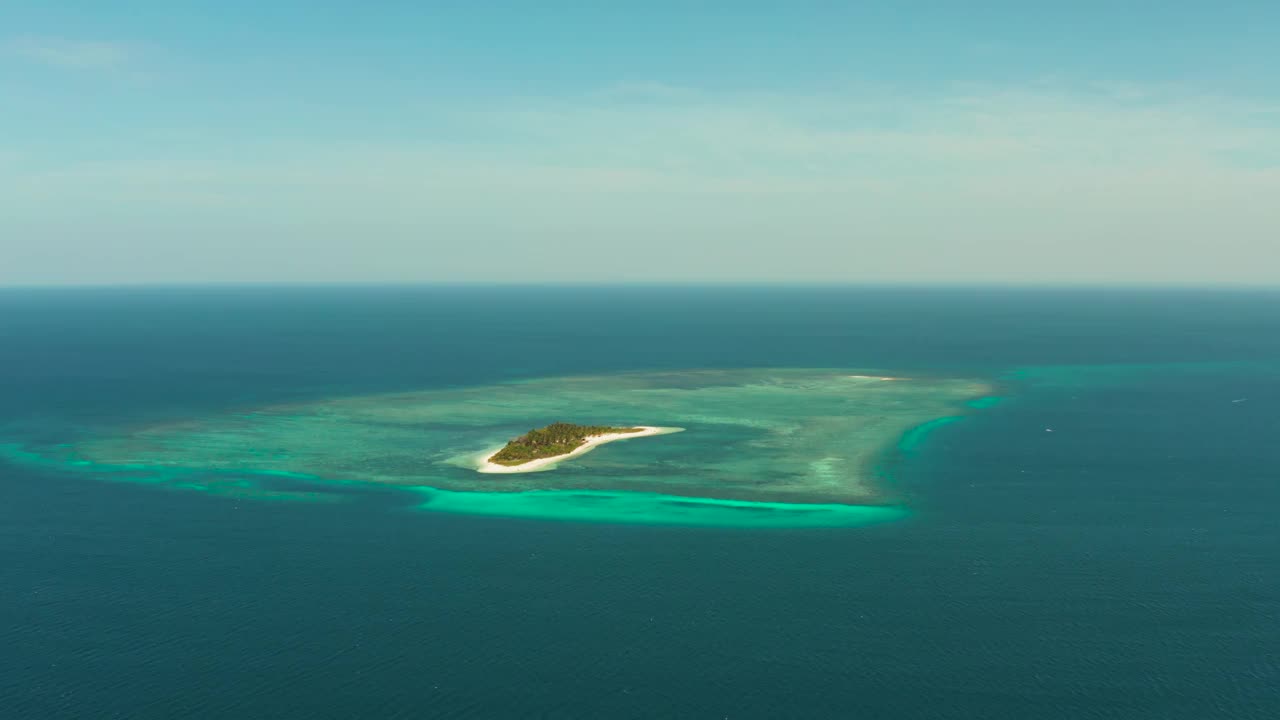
(782, 142)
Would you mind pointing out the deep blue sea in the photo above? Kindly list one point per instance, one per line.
(1124, 565)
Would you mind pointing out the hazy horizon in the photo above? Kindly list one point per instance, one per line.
(731, 284)
(288, 143)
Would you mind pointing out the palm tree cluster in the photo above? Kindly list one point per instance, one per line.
(557, 438)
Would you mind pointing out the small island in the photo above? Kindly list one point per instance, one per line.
(541, 448)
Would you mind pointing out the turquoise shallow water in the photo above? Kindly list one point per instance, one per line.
(759, 447)
(655, 509)
(1125, 565)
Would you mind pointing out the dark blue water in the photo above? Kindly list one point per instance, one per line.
(1125, 565)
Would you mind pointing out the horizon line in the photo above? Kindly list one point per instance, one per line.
(708, 284)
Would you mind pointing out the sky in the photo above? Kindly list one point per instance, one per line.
(172, 141)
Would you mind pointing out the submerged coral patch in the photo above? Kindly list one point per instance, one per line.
(764, 447)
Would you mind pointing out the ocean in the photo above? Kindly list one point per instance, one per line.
(1096, 538)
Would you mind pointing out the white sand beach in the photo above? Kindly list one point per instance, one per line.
(587, 446)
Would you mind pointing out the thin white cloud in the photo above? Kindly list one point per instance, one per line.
(69, 54)
(984, 184)
(787, 144)
(974, 133)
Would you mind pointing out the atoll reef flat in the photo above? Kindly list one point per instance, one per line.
(780, 437)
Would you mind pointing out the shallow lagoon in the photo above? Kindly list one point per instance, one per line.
(762, 447)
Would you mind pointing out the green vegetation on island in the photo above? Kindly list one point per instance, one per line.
(555, 439)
